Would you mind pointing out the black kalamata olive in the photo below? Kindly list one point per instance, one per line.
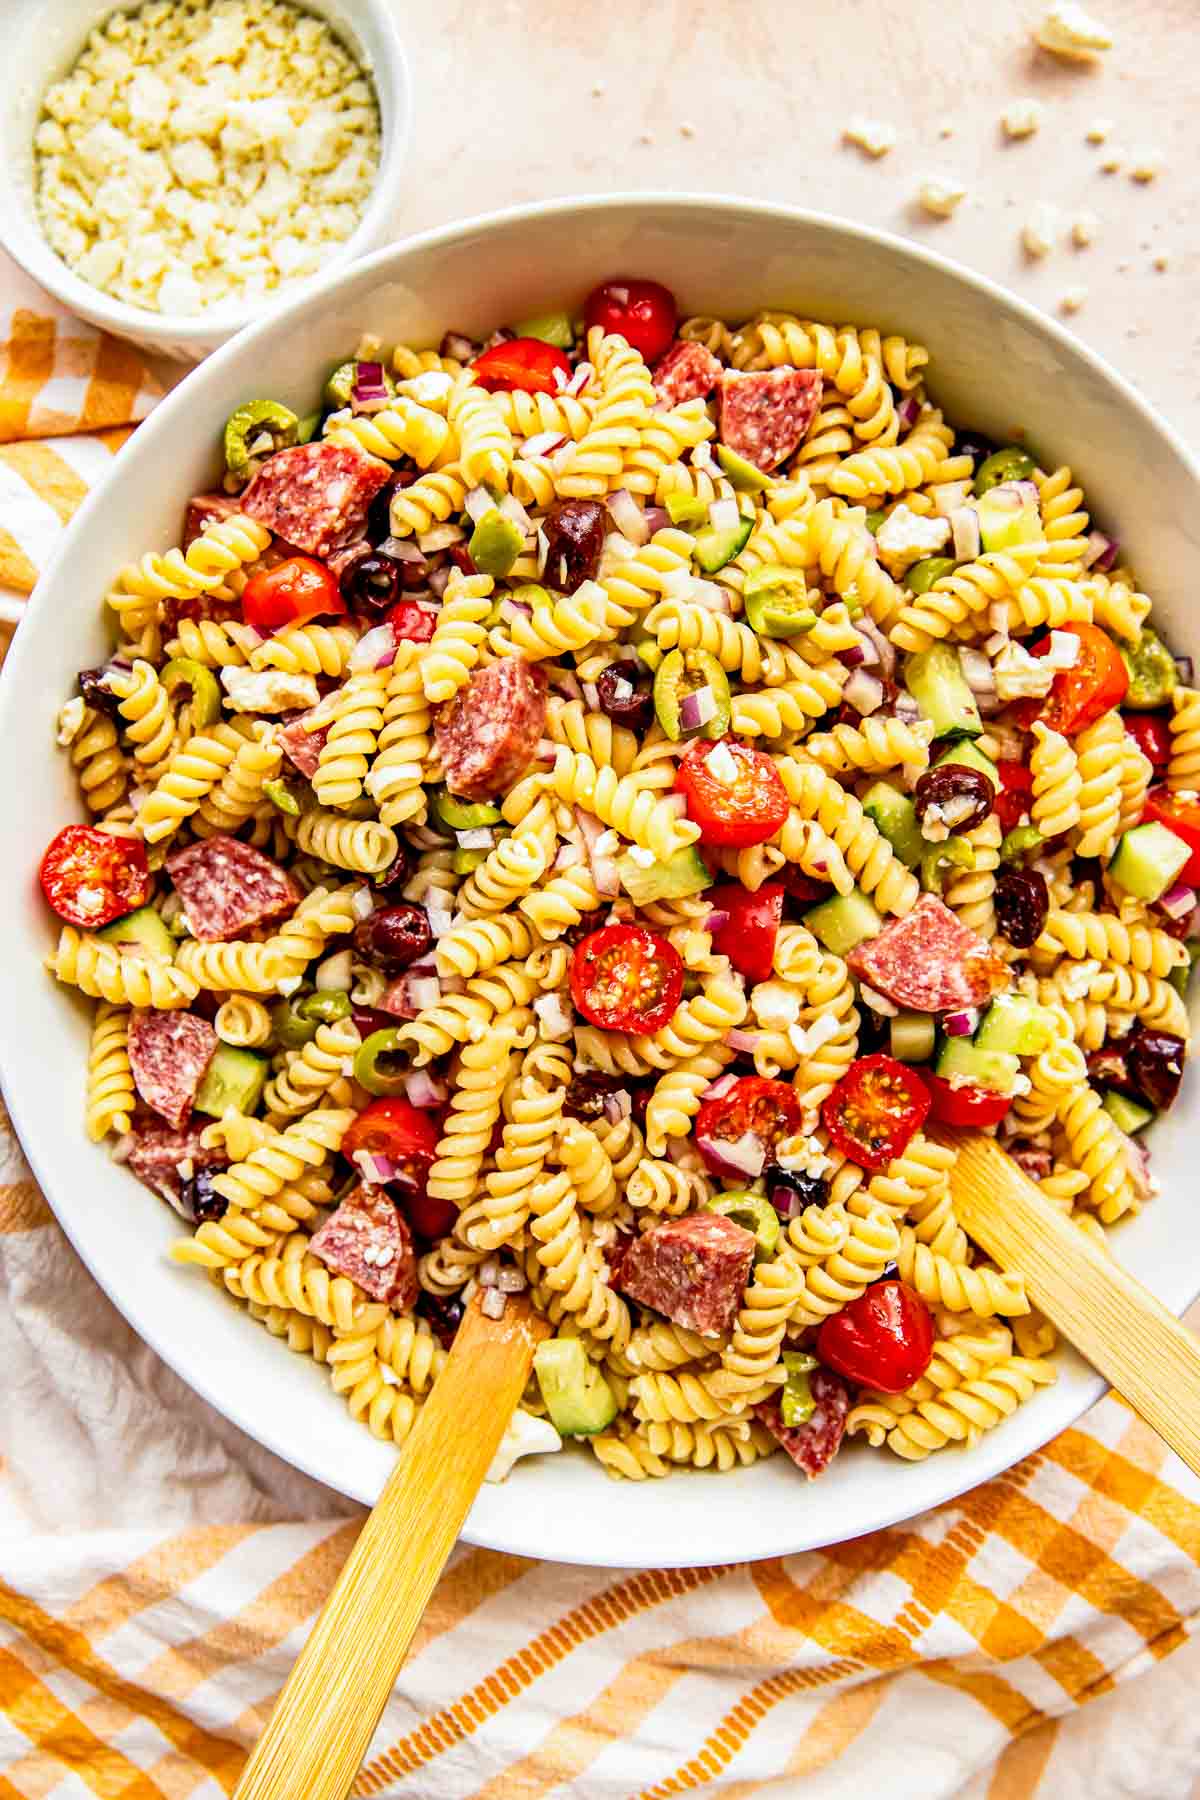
(622, 699)
(585, 1097)
(443, 1313)
(1109, 1068)
(370, 1019)
(1022, 901)
(791, 1190)
(395, 936)
(371, 585)
(575, 538)
(953, 795)
(804, 889)
(639, 1100)
(389, 880)
(462, 559)
(93, 685)
(1156, 1060)
(379, 517)
(587, 923)
(975, 444)
(198, 1198)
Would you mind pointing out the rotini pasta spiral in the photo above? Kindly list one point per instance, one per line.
(904, 465)
(485, 445)
(402, 428)
(320, 1071)
(120, 977)
(816, 796)
(244, 1022)
(966, 594)
(624, 405)
(1056, 782)
(1183, 770)
(110, 1091)
(362, 845)
(479, 1080)
(458, 636)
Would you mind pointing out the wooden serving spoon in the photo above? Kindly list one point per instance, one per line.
(329, 1707)
(1125, 1333)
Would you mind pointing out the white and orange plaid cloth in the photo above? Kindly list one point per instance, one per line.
(158, 1571)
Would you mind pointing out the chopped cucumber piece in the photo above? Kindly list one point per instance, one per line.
(578, 1399)
(257, 419)
(682, 673)
(686, 509)
(1008, 517)
(952, 853)
(1017, 1024)
(715, 547)
(896, 817)
(1153, 676)
(922, 575)
(776, 601)
(380, 1062)
(1010, 464)
(971, 757)
(1147, 861)
(994, 1069)
(754, 1212)
(844, 921)
(1018, 843)
(234, 1078)
(936, 682)
(551, 328)
(495, 544)
(325, 1007)
(463, 815)
(182, 672)
(913, 1036)
(1129, 1114)
(796, 1402)
(744, 478)
(140, 930)
(685, 872)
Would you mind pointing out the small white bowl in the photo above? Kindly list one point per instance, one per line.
(41, 46)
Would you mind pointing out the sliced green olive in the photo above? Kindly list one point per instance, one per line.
(205, 707)
(954, 853)
(551, 328)
(923, 574)
(292, 1030)
(796, 1401)
(257, 419)
(743, 476)
(685, 509)
(751, 1210)
(495, 544)
(308, 427)
(1010, 464)
(1019, 842)
(280, 794)
(463, 815)
(776, 601)
(324, 1008)
(1153, 676)
(875, 519)
(377, 1064)
(465, 862)
(681, 674)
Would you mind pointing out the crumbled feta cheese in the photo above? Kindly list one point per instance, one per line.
(933, 824)
(1040, 229)
(1098, 130)
(806, 1040)
(1084, 227)
(875, 136)
(429, 388)
(1021, 118)
(721, 765)
(1162, 261)
(905, 537)
(70, 720)
(290, 985)
(803, 1155)
(554, 1016)
(644, 859)
(1076, 983)
(1073, 299)
(1020, 676)
(1066, 30)
(607, 844)
(940, 194)
(1064, 650)
(775, 1005)
(1145, 164)
(524, 1436)
(268, 690)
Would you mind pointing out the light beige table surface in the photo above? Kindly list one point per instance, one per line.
(751, 97)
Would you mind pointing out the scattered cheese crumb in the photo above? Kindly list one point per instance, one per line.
(940, 194)
(1112, 161)
(1161, 261)
(1145, 165)
(905, 537)
(721, 765)
(687, 129)
(268, 690)
(1040, 230)
(1021, 118)
(946, 131)
(1098, 130)
(524, 1436)
(645, 137)
(1066, 30)
(875, 136)
(775, 1004)
(1084, 227)
(1073, 299)
(70, 721)
(598, 88)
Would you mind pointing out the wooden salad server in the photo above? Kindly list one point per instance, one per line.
(330, 1704)
(1128, 1336)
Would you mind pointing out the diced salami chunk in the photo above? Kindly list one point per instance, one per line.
(929, 961)
(167, 1160)
(766, 415)
(813, 1445)
(368, 1241)
(301, 746)
(488, 735)
(693, 1269)
(168, 1054)
(228, 887)
(317, 496)
(686, 372)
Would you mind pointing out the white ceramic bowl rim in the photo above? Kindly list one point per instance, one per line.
(914, 1487)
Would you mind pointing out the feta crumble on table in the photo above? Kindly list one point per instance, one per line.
(940, 195)
(875, 136)
(183, 138)
(1068, 31)
(1021, 118)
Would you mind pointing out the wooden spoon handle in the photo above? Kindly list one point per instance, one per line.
(1124, 1332)
(331, 1702)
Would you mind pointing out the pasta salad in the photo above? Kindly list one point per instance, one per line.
(587, 814)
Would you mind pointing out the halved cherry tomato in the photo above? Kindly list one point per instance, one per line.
(1015, 796)
(1078, 696)
(90, 877)
(399, 1131)
(875, 1110)
(748, 810)
(625, 978)
(1152, 735)
(754, 1106)
(411, 623)
(882, 1340)
(429, 1217)
(643, 312)
(300, 588)
(1183, 818)
(967, 1104)
(524, 363)
(748, 936)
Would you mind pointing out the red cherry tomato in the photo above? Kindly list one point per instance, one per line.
(1015, 796)
(625, 978)
(90, 877)
(882, 1340)
(748, 936)
(396, 1129)
(748, 810)
(411, 623)
(874, 1111)
(525, 363)
(767, 1110)
(1152, 735)
(1183, 818)
(1099, 680)
(965, 1105)
(300, 588)
(642, 312)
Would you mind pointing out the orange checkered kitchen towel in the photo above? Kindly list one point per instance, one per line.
(158, 1571)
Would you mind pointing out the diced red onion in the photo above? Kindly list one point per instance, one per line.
(716, 921)
(628, 517)
(422, 1090)
(591, 694)
(376, 649)
(745, 1156)
(964, 524)
(543, 443)
(564, 682)
(949, 496)
(510, 1281)
(745, 1043)
(1096, 545)
(457, 347)
(657, 519)
(439, 580)
(961, 1024)
(511, 609)
(786, 1201)
(579, 380)
(488, 1273)
(708, 593)
(401, 550)
(476, 837)
(515, 513)
(717, 1089)
(369, 393)
(1183, 665)
(977, 670)
(494, 1304)
(334, 974)
(373, 1167)
(696, 709)
(864, 692)
(425, 991)
(617, 1106)
(867, 628)
(723, 515)
(1179, 901)
(478, 502)
(569, 857)
(908, 411)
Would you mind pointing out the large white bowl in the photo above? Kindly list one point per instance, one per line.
(997, 364)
